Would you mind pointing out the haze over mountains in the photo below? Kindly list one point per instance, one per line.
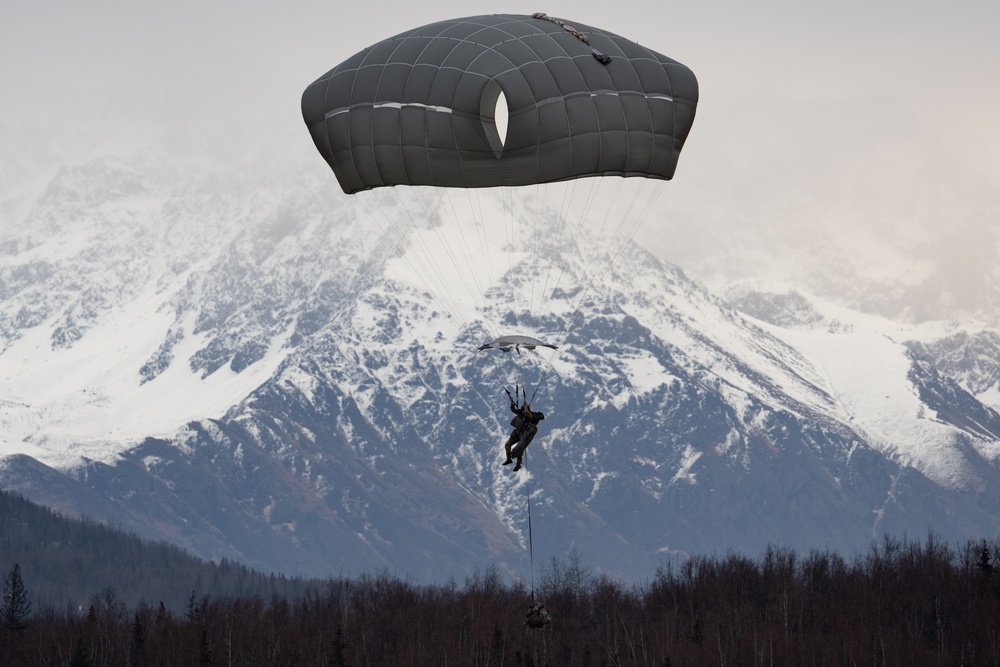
(245, 366)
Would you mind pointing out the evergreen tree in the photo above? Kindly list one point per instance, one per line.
(138, 638)
(338, 647)
(16, 608)
(498, 649)
(80, 657)
(985, 563)
(193, 610)
(204, 649)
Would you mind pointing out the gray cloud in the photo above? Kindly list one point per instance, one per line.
(819, 126)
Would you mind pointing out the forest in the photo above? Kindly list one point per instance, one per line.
(901, 602)
(68, 560)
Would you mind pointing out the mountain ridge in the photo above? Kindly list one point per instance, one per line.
(297, 397)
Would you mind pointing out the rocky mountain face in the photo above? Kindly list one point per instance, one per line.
(254, 369)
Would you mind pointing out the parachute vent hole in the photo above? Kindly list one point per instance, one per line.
(500, 114)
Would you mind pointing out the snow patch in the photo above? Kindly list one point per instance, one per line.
(685, 471)
(867, 373)
(87, 401)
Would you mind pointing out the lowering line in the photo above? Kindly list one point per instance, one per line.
(531, 547)
(536, 618)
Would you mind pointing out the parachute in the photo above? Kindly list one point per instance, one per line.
(419, 108)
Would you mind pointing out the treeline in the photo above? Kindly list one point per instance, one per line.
(80, 593)
(68, 560)
(903, 602)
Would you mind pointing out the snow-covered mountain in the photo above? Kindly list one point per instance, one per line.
(256, 369)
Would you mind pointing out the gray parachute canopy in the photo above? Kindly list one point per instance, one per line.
(508, 343)
(419, 108)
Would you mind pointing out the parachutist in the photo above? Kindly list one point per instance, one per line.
(525, 423)
(518, 423)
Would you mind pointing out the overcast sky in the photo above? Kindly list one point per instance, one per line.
(70, 63)
(791, 91)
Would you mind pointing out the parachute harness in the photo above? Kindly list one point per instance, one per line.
(601, 58)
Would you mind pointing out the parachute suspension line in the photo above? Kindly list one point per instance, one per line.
(536, 235)
(529, 243)
(614, 257)
(426, 247)
(472, 270)
(644, 211)
(626, 232)
(568, 196)
(630, 232)
(574, 236)
(554, 234)
(538, 386)
(416, 266)
(613, 251)
(508, 196)
(520, 390)
(545, 375)
(587, 258)
(441, 290)
(498, 366)
(599, 239)
(491, 306)
(614, 238)
(565, 232)
(502, 385)
(445, 242)
(546, 234)
(561, 236)
(541, 205)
